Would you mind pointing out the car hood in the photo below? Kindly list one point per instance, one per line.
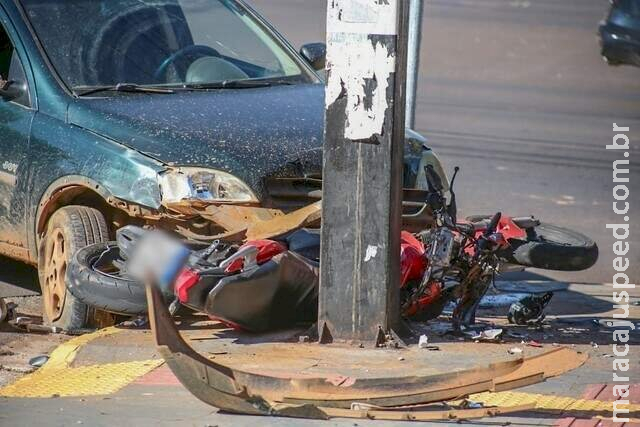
(251, 133)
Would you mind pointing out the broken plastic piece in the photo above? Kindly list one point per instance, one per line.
(488, 335)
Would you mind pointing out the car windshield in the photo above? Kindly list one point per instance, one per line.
(93, 43)
(632, 7)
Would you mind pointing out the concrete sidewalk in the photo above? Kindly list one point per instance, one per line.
(115, 376)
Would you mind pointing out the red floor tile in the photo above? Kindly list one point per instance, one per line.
(161, 376)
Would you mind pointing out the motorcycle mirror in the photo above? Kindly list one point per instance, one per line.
(453, 178)
(453, 206)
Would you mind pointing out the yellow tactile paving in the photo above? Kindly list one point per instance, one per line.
(65, 353)
(547, 402)
(82, 381)
(57, 378)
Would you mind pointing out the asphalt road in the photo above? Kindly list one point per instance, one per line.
(515, 92)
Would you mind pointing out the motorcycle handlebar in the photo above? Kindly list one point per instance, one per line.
(493, 224)
(484, 243)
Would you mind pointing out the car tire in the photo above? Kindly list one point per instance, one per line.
(106, 291)
(69, 229)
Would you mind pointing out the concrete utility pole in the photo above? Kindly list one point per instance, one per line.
(362, 178)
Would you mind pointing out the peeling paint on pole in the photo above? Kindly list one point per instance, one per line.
(362, 173)
(361, 58)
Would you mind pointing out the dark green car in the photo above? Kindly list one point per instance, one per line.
(191, 116)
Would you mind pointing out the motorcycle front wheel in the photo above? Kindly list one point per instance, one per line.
(94, 277)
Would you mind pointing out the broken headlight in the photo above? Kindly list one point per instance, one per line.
(204, 184)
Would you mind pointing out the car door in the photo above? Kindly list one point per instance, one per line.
(16, 115)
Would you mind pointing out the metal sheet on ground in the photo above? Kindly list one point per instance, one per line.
(237, 391)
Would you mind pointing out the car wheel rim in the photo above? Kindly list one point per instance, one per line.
(54, 273)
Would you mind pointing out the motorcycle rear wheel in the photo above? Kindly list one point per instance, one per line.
(555, 248)
(549, 247)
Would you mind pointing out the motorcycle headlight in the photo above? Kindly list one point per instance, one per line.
(204, 184)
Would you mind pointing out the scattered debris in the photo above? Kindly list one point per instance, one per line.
(22, 320)
(138, 322)
(390, 340)
(491, 335)
(17, 369)
(515, 350)
(535, 344)
(616, 324)
(38, 361)
(25, 323)
(529, 309)
(574, 331)
(423, 342)
(303, 338)
(594, 345)
(470, 404)
(35, 327)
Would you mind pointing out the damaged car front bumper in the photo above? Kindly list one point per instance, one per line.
(228, 205)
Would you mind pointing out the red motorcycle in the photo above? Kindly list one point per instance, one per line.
(458, 260)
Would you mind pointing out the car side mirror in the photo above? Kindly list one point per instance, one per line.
(9, 90)
(315, 54)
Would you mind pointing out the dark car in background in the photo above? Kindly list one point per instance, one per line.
(620, 33)
(187, 115)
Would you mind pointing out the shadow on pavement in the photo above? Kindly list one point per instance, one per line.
(17, 278)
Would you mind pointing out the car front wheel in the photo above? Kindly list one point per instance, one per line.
(68, 230)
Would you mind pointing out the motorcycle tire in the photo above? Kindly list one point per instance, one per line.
(554, 248)
(103, 286)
